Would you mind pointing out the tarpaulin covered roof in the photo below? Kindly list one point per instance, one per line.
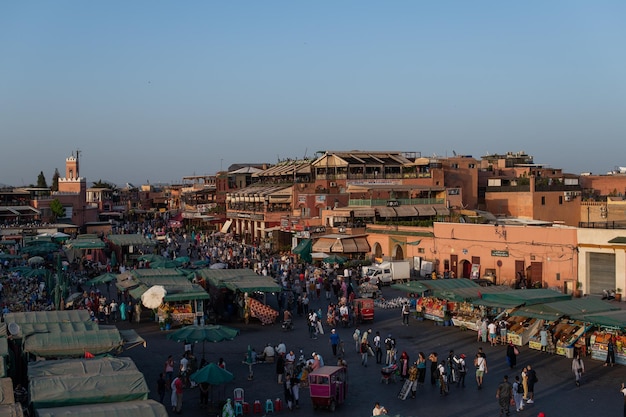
(95, 366)
(411, 286)
(130, 240)
(152, 272)
(146, 408)
(75, 344)
(616, 319)
(75, 326)
(85, 244)
(472, 294)
(527, 296)
(54, 316)
(69, 390)
(569, 308)
(244, 280)
(440, 286)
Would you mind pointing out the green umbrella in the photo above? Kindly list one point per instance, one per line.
(102, 279)
(335, 259)
(212, 374)
(164, 263)
(209, 333)
(182, 259)
(150, 257)
(113, 259)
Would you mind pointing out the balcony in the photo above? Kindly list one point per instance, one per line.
(402, 201)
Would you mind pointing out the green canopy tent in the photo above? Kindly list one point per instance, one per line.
(527, 296)
(139, 408)
(611, 319)
(108, 365)
(102, 279)
(68, 390)
(74, 344)
(334, 259)
(304, 249)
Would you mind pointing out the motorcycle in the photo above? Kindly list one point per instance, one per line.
(287, 325)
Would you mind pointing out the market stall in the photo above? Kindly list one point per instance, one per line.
(521, 327)
(564, 331)
(609, 324)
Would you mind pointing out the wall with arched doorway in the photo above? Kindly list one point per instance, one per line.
(397, 253)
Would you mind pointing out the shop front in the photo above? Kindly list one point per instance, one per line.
(608, 325)
(566, 333)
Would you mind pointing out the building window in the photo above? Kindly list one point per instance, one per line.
(471, 166)
(420, 250)
(543, 200)
(560, 199)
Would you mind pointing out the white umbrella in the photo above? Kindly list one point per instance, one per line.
(219, 265)
(319, 255)
(153, 297)
(36, 260)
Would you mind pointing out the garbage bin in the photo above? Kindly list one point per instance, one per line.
(569, 352)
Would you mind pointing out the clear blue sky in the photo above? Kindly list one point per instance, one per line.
(156, 90)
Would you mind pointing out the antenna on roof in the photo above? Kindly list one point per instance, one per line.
(453, 152)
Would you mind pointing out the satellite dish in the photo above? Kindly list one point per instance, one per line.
(14, 328)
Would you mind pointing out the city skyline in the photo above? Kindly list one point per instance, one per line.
(158, 91)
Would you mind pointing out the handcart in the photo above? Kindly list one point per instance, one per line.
(389, 373)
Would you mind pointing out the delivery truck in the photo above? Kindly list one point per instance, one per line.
(389, 272)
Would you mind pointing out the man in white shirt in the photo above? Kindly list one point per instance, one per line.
(281, 349)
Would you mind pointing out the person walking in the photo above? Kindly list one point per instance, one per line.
(364, 353)
(178, 388)
(169, 369)
(280, 367)
(378, 351)
(433, 368)
(623, 391)
(518, 393)
(532, 379)
(503, 394)
(610, 352)
(511, 355)
(578, 368)
(481, 369)
(405, 313)
(421, 369)
(287, 386)
(462, 367)
(334, 341)
(161, 387)
(413, 373)
(525, 384)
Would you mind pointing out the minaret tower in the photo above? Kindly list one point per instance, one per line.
(73, 182)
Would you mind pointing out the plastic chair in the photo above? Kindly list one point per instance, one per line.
(256, 407)
(278, 405)
(246, 408)
(238, 409)
(238, 395)
(269, 406)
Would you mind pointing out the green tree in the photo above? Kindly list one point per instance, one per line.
(55, 180)
(57, 209)
(41, 181)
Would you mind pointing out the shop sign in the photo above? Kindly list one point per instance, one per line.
(500, 253)
(393, 203)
